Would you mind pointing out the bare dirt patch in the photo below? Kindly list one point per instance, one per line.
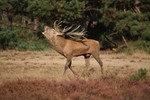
(50, 65)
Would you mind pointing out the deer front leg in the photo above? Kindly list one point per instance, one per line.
(68, 65)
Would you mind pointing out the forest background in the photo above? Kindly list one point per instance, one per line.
(120, 24)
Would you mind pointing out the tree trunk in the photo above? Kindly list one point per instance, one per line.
(36, 23)
(124, 40)
(5, 20)
(24, 22)
(114, 44)
(137, 9)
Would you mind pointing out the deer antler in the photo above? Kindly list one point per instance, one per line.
(66, 30)
(78, 33)
(75, 29)
(74, 32)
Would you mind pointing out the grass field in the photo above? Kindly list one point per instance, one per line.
(38, 75)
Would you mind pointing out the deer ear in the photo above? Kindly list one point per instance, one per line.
(46, 28)
(55, 32)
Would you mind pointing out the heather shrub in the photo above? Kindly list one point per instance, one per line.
(76, 89)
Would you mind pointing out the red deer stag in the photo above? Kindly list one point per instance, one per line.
(70, 48)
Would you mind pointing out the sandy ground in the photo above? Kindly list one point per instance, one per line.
(49, 65)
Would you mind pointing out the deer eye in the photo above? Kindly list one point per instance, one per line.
(53, 31)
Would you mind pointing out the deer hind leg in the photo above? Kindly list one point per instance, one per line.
(87, 60)
(97, 58)
(87, 63)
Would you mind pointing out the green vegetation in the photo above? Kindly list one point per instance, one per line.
(22, 40)
(125, 22)
(142, 74)
(137, 46)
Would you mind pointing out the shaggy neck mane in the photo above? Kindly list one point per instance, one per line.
(70, 38)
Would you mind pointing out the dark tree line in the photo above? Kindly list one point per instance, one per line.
(113, 21)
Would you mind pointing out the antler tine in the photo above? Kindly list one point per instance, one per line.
(76, 28)
(56, 26)
(83, 31)
(73, 31)
(64, 30)
(76, 33)
(67, 29)
(79, 33)
(59, 24)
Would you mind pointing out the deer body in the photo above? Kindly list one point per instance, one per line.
(71, 48)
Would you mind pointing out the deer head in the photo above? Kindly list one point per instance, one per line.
(49, 33)
(57, 31)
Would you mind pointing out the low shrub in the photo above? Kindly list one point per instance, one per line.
(142, 73)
